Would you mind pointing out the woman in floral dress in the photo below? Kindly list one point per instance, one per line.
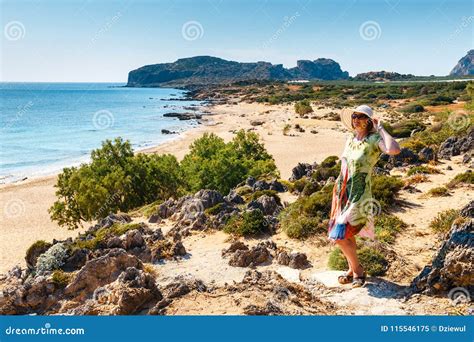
(352, 204)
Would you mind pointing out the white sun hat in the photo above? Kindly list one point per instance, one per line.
(346, 115)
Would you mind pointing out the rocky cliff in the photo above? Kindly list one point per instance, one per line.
(465, 65)
(212, 70)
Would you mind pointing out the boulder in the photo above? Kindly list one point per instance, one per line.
(257, 255)
(101, 271)
(301, 170)
(453, 264)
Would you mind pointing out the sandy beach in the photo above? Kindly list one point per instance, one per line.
(25, 204)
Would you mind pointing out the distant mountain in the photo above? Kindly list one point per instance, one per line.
(465, 65)
(382, 76)
(212, 70)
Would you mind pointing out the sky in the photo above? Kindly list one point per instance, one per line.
(101, 41)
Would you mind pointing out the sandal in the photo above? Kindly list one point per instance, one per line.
(358, 281)
(345, 278)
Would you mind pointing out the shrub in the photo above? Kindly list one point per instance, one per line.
(422, 169)
(443, 221)
(466, 177)
(36, 249)
(52, 259)
(286, 129)
(413, 108)
(387, 227)
(329, 167)
(385, 189)
(250, 223)
(403, 129)
(374, 262)
(115, 180)
(214, 164)
(303, 107)
(439, 191)
(319, 203)
(60, 278)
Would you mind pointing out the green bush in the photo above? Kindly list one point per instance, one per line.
(214, 164)
(308, 214)
(422, 169)
(374, 262)
(60, 278)
(329, 167)
(303, 107)
(385, 189)
(443, 221)
(466, 178)
(250, 223)
(439, 191)
(413, 108)
(115, 180)
(387, 227)
(404, 128)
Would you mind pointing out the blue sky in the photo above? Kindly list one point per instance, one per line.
(100, 41)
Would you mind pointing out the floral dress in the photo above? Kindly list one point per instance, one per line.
(353, 207)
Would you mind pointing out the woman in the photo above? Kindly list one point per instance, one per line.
(352, 203)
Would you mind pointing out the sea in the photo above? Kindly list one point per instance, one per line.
(48, 126)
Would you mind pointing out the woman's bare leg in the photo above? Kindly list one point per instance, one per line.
(349, 248)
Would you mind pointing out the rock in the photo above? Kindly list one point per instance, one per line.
(155, 218)
(178, 249)
(406, 157)
(465, 66)
(35, 250)
(209, 198)
(267, 204)
(256, 122)
(233, 197)
(132, 239)
(269, 309)
(183, 116)
(454, 146)
(235, 246)
(468, 210)
(133, 291)
(110, 220)
(76, 260)
(253, 257)
(250, 181)
(453, 264)
(158, 309)
(101, 271)
(298, 260)
(115, 242)
(277, 186)
(182, 285)
(260, 185)
(301, 170)
(167, 131)
(283, 258)
(426, 154)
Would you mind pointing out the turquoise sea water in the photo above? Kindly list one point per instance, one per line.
(46, 126)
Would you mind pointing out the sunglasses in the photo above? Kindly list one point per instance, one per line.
(359, 116)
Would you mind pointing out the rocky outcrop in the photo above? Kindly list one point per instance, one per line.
(101, 271)
(208, 70)
(453, 265)
(465, 65)
(454, 146)
(382, 76)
